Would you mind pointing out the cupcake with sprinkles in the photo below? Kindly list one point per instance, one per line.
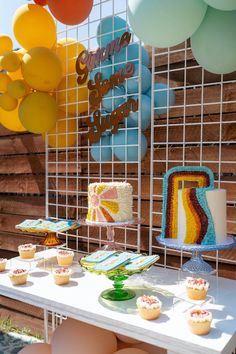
(3, 263)
(199, 321)
(65, 257)
(196, 288)
(18, 276)
(149, 307)
(27, 251)
(61, 275)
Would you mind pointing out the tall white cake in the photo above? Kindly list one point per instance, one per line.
(110, 202)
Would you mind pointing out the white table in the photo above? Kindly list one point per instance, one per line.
(80, 300)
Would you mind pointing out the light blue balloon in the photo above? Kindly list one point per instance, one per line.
(133, 118)
(163, 98)
(121, 142)
(133, 82)
(165, 23)
(214, 43)
(109, 29)
(225, 5)
(131, 53)
(113, 99)
(105, 68)
(102, 151)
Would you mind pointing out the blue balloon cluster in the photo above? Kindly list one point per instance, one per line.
(127, 145)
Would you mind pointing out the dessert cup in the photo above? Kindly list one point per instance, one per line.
(196, 288)
(61, 276)
(149, 307)
(199, 321)
(27, 251)
(3, 263)
(65, 258)
(18, 276)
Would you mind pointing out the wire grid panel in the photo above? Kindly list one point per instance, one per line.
(197, 128)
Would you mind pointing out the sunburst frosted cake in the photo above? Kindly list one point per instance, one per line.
(110, 202)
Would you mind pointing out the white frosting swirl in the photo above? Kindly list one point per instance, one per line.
(199, 315)
(148, 302)
(18, 272)
(197, 283)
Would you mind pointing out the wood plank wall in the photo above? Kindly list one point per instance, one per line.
(22, 170)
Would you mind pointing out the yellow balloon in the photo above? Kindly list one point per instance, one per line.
(38, 112)
(18, 88)
(4, 81)
(41, 69)
(10, 61)
(33, 26)
(11, 121)
(8, 103)
(6, 44)
(67, 50)
(61, 135)
(17, 75)
(72, 97)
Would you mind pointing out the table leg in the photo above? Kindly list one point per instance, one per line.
(45, 316)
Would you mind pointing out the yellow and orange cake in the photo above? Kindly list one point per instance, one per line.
(18, 276)
(3, 263)
(196, 288)
(149, 307)
(65, 257)
(199, 321)
(110, 202)
(27, 251)
(61, 275)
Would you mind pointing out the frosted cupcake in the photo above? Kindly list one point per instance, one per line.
(61, 276)
(65, 257)
(3, 263)
(18, 276)
(199, 321)
(27, 251)
(149, 307)
(196, 288)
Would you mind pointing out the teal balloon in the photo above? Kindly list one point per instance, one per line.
(101, 151)
(214, 43)
(165, 23)
(105, 68)
(163, 98)
(132, 84)
(225, 5)
(126, 145)
(145, 114)
(109, 29)
(131, 54)
(113, 99)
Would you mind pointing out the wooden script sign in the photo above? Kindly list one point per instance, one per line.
(98, 87)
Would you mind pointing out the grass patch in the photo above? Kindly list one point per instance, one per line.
(7, 325)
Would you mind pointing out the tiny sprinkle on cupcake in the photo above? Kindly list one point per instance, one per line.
(149, 307)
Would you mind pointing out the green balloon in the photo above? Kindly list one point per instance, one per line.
(225, 5)
(165, 23)
(214, 43)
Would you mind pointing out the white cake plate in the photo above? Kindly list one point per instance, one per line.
(110, 244)
(196, 264)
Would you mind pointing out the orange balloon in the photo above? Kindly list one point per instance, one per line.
(75, 337)
(131, 351)
(70, 12)
(126, 339)
(10, 120)
(37, 348)
(151, 349)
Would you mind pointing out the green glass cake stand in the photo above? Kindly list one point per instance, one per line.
(119, 292)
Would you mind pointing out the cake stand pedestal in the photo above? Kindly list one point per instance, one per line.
(119, 292)
(197, 264)
(110, 244)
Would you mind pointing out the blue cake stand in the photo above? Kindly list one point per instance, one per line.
(196, 264)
